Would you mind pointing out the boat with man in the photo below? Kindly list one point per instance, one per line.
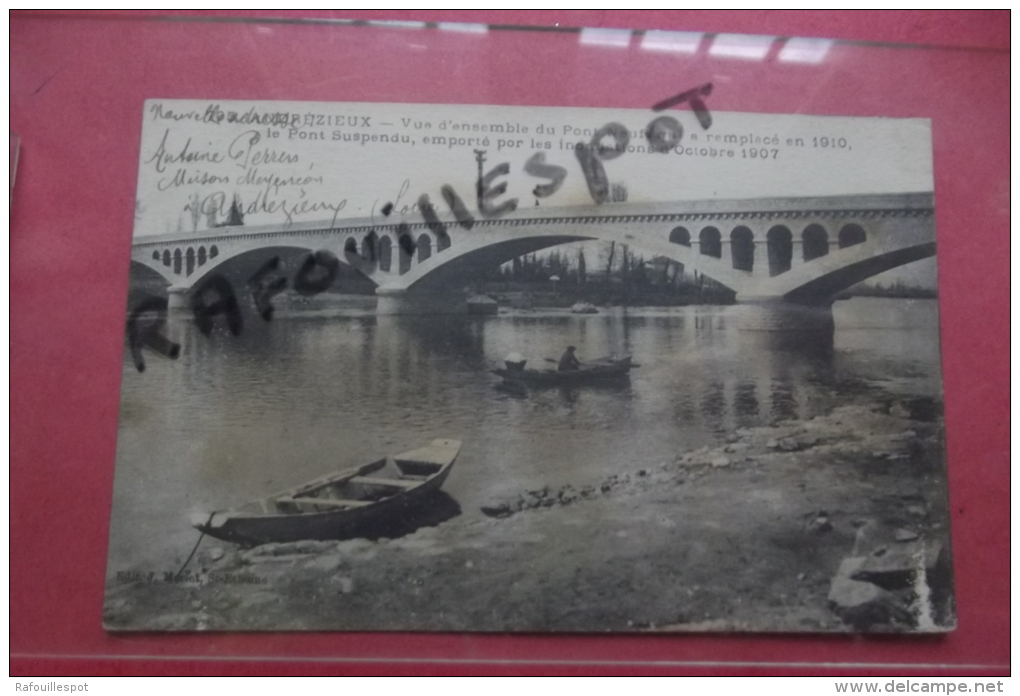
(603, 370)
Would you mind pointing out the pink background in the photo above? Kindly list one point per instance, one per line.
(78, 82)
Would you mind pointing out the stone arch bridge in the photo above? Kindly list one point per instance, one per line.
(773, 251)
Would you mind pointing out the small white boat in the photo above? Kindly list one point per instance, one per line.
(341, 505)
(482, 304)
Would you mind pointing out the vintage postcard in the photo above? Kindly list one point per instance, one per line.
(489, 368)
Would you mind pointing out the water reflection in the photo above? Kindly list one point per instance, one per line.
(745, 403)
(808, 344)
(783, 401)
(237, 417)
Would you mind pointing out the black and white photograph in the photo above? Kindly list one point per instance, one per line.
(404, 367)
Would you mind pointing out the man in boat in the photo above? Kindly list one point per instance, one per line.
(569, 361)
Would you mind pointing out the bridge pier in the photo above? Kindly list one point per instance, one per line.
(178, 298)
(777, 315)
(390, 301)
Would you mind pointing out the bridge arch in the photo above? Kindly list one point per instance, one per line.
(816, 242)
(149, 270)
(833, 274)
(680, 235)
(710, 242)
(446, 270)
(779, 242)
(851, 235)
(166, 257)
(350, 247)
(474, 252)
(385, 253)
(370, 247)
(405, 252)
(742, 248)
(241, 266)
(424, 247)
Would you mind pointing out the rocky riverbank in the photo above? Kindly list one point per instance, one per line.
(836, 523)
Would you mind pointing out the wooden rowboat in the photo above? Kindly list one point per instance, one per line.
(592, 372)
(341, 505)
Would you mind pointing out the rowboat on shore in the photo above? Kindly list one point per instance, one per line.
(607, 369)
(341, 505)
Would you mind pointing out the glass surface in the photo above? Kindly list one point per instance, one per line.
(77, 93)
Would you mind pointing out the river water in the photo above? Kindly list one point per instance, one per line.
(316, 390)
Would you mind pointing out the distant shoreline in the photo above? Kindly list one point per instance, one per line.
(541, 296)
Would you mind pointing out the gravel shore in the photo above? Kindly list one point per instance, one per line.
(837, 523)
